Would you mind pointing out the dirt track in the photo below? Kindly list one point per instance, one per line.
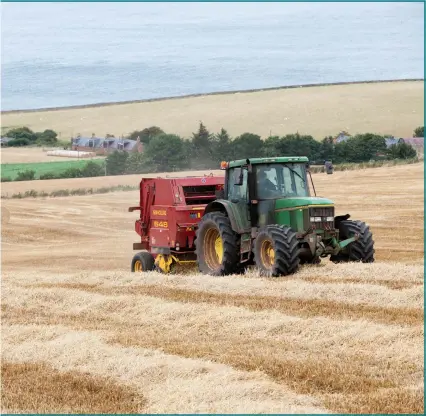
(383, 108)
(332, 338)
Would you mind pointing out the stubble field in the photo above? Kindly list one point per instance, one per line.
(82, 334)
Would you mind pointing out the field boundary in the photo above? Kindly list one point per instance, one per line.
(40, 168)
(179, 97)
(32, 193)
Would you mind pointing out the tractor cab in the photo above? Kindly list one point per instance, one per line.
(276, 191)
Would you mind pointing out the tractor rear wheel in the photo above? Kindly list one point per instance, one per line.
(143, 262)
(276, 251)
(216, 245)
(361, 249)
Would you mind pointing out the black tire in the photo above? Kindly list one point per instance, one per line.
(212, 226)
(313, 260)
(283, 241)
(143, 262)
(361, 250)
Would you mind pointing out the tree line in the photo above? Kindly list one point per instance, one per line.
(205, 150)
(24, 136)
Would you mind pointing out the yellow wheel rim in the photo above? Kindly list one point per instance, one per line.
(218, 247)
(267, 254)
(213, 248)
(164, 262)
(138, 266)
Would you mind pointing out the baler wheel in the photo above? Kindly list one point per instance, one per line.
(276, 251)
(361, 250)
(142, 262)
(216, 245)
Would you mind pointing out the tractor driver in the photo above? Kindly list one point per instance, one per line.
(264, 184)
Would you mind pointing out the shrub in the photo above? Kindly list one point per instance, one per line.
(116, 163)
(18, 142)
(79, 191)
(27, 175)
(22, 133)
(92, 169)
(31, 193)
(60, 192)
(166, 153)
(146, 135)
(419, 132)
(49, 175)
(47, 137)
(6, 179)
(71, 173)
(401, 151)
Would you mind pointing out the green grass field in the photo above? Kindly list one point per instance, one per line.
(12, 169)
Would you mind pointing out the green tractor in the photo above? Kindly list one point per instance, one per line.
(265, 216)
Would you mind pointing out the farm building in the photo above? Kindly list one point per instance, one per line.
(5, 140)
(342, 137)
(391, 141)
(416, 142)
(105, 145)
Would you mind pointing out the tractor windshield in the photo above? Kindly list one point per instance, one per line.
(279, 180)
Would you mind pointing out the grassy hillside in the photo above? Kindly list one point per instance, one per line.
(383, 108)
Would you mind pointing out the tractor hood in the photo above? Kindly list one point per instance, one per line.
(298, 202)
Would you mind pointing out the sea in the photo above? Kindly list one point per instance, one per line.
(65, 54)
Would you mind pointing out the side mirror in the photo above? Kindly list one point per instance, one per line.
(238, 176)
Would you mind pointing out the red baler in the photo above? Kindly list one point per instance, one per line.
(170, 209)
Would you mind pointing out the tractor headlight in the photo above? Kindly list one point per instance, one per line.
(330, 219)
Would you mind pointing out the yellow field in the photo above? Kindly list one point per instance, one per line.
(384, 108)
(82, 334)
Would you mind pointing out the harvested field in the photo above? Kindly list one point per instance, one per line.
(76, 324)
(383, 108)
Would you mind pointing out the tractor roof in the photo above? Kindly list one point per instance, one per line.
(259, 160)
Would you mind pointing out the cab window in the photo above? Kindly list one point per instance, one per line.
(235, 191)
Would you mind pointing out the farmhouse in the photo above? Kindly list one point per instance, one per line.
(5, 140)
(342, 137)
(105, 145)
(416, 142)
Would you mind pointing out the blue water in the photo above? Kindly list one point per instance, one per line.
(82, 53)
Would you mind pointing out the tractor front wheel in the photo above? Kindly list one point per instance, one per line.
(276, 251)
(361, 250)
(142, 262)
(216, 245)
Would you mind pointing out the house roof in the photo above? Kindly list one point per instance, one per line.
(342, 137)
(98, 142)
(390, 141)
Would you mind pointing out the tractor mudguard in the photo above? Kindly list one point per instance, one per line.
(338, 219)
(238, 223)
